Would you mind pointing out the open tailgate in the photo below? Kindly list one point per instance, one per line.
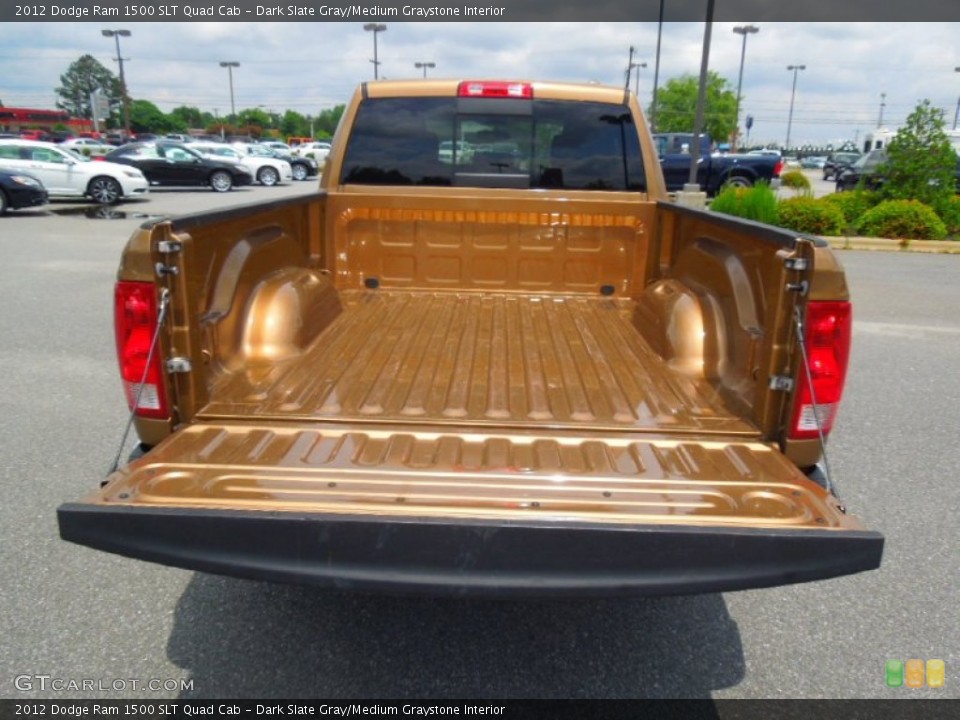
(501, 513)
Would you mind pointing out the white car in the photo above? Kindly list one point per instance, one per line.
(275, 145)
(317, 150)
(265, 170)
(65, 174)
(87, 146)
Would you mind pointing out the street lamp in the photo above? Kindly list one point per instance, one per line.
(375, 28)
(230, 65)
(656, 73)
(424, 65)
(795, 69)
(116, 35)
(636, 81)
(957, 113)
(742, 30)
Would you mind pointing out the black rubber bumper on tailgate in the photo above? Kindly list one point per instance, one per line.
(470, 557)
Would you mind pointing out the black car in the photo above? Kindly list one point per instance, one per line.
(172, 163)
(865, 168)
(837, 162)
(19, 190)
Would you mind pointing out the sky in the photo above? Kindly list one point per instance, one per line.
(309, 67)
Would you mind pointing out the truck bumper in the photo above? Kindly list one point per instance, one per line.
(470, 557)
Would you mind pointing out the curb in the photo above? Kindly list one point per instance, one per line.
(885, 244)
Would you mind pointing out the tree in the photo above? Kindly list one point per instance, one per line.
(328, 120)
(293, 124)
(921, 162)
(147, 117)
(677, 106)
(82, 78)
(191, 117)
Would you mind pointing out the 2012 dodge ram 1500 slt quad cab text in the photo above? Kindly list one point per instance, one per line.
(508, 366)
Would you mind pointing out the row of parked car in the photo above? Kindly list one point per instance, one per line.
(36, 171)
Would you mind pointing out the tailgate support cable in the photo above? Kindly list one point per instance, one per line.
(161, 316)
(802, 340)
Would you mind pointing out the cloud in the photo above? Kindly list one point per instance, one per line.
(312, 66)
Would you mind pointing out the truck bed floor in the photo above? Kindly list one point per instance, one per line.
(478, 360)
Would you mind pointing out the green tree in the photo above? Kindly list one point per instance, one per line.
(147, 117)
(191, 117)
(677, 106)
(293, 124)
(921, 162)
(327, 121)
(82, 78)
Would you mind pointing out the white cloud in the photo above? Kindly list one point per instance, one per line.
(312, 66)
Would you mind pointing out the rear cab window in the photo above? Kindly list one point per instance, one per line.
(494, 142)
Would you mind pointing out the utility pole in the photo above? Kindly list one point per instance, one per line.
(116, 35)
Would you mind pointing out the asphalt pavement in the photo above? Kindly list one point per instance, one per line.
(74, 615)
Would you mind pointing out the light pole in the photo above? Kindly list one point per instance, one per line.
(230, 65)
(636, 81)
(424, 65)
(795, 69)
(656, 73)
(375, 28)
(742, 30)
(116, 35)
(883, 104)
(956, 114)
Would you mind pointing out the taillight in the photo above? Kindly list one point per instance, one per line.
(828, 327)
(486, 88)
(135, 323)
(778, 168)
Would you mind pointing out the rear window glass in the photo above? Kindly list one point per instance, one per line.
(494, 143)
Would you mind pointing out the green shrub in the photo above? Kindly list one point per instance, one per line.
(795, 180)
(949, 212)
(807, 215)
(903, 219)
(754, 203)
(853, 204)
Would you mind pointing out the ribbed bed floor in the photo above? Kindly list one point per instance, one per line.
(472, 359)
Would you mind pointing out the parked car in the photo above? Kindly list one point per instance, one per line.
(267, 170)
(868, 168)
(87, 146)
(170, 163)
(64, 174)
(20, 190)
(301, 167)
(275, 145)
(837, 162)
(34, 135)
(812, 162)
(317, 150)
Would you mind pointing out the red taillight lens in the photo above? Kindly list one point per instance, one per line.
(828, 328)
(778, 168)
(135, 322)
(474, 88)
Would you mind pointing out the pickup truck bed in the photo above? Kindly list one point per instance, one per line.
(526, 374)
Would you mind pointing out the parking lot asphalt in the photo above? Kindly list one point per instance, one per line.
(73, 614)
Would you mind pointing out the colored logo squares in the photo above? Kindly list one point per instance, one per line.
(913, 672)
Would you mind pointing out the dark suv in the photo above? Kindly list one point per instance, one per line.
(838, 162)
